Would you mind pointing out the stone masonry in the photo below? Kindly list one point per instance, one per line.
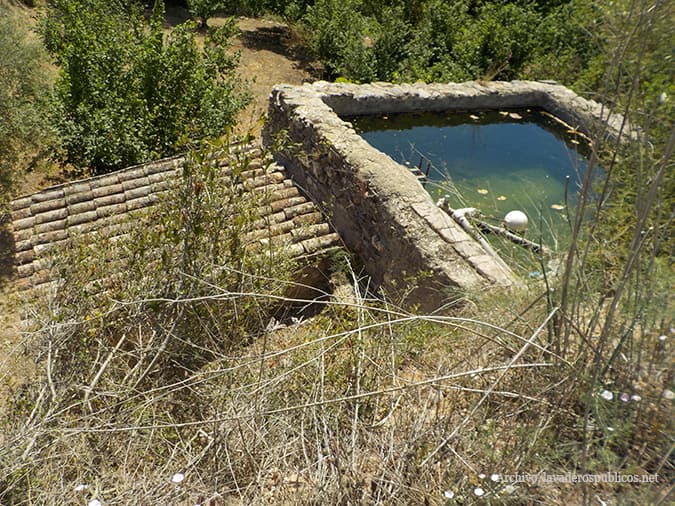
(376, 205)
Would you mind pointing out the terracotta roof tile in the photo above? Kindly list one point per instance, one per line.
(44, 222)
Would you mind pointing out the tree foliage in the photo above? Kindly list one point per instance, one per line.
(127, 92)
(343, 38)
(203, 10)
(24, 90)
(439, 40)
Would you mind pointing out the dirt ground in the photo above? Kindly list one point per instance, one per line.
(270, 54)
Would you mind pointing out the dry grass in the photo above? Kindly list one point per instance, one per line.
(224, 391)
(361, 404)
(201, 381)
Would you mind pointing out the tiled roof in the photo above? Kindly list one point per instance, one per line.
(46, 220)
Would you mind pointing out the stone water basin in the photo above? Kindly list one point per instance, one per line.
(495, 161)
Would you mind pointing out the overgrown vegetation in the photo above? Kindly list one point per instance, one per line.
(185, 380)
(127, 93)
(26, 139)
(184, 294)
(440, 40)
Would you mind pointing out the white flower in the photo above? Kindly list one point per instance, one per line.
(624, 397)
(449, 494)
(495, 477)
(481, 476)
(662, 337)
(635, 397)
(94, 502)
(81, 488)
(668, 394)
(509, 489)
(607, 395)
(178, 477)
(610, 429)
(478, 491)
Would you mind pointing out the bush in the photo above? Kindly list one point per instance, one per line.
(343, 38)
(25, 136)
(434, 38)
(391, 44)
(127, 93)
(203, 10)
(565, 48)
(498, 43)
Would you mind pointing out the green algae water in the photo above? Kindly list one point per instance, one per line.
(495, 161)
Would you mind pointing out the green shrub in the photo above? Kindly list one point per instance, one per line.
(390, 47)
(343, 38)
(202, 10)
(434, 39)
(127, 93)
(564, 47)
(25, 135)
(498, 43)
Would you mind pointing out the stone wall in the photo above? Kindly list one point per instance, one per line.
(376, 205)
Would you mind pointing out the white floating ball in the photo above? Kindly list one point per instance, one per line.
(516, 221)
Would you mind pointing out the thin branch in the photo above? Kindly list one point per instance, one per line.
(505, 370)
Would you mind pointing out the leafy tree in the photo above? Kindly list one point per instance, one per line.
(293, 9)
(433, 40)
(391, 45)
(127, 93)
(25, 136)
(564, 47)
(436, 34)
(499, 42)
(203, 10)
(343, 38)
